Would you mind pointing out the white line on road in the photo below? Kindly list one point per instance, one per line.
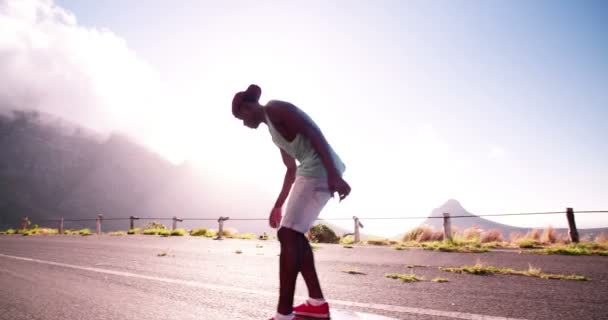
(375, 306)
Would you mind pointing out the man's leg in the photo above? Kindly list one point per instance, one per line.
(309, 273)
(289, 266)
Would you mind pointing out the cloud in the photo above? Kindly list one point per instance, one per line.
(496, 153)
(88, 76)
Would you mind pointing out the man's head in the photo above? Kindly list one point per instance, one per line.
(245, 106)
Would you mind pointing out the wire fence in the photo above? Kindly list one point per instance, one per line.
(446, 216)
(325, 219)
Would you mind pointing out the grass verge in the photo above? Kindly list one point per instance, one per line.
(481, 269)
(446, 246)
(572, 250)
(179, 232)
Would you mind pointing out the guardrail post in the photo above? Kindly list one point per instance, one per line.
(25, 222)
(60, 225)
(572, 225)
(220, 231)
(98, 223)
(175, 220)
(447, 229)
(132, 222)
(357, 225)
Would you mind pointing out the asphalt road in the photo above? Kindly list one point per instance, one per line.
(149, 277)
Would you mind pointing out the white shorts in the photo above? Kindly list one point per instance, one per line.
(307, 198)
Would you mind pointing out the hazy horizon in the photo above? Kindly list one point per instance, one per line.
(500, 105)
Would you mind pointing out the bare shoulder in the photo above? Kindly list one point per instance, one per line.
(280, 110)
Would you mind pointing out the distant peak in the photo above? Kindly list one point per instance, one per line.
(452, 203)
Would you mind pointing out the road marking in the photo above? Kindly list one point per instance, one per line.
(375, 306)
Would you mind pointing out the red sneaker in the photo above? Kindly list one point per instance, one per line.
(308, 310)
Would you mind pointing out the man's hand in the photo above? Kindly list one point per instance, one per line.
(337, 184)
(275, 217)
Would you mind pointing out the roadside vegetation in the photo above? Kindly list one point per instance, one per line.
(404, 277)
(471, 240)
(481, 269)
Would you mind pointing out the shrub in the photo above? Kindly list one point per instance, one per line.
(199, 232)
(211, 233)
(347, 240)
(134, 231)
(246, 236)
(413, 234)
(472, 234)
(84, 232)
(422, 234)
(323, 234)
(378, 242)
(601, 238)
(526, 243)
(549, 235)
(150, 232)
(436, 236)
(155, 225)
(533, 234)
(11, 231)
(164, 233)
(515, 236)
(118, 233)
(48, 231)
(71, 232)
(493, 235)
(229, 232)
(178, 232)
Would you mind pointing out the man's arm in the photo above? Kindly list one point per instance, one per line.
(290, 177)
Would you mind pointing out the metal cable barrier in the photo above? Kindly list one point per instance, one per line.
(446, 217)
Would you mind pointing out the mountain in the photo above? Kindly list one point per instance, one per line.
(467, 220)
(50, 168)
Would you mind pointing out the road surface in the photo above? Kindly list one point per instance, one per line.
(151, 277)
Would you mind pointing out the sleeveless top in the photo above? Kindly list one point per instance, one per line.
(310, 163)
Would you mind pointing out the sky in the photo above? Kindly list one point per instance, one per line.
(501, 105)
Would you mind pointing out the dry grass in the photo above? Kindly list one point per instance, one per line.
(601, 238)
(348, 240)
(198, 232)
(515, 236)
(534, 234)
(578, 249)
(378, 242)
(472, 234)
(404, 277)
(440, 280)
(549, 235)
(423, 234)
(481, 269)
(493, 235)
(446, 246)
(526, 243)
